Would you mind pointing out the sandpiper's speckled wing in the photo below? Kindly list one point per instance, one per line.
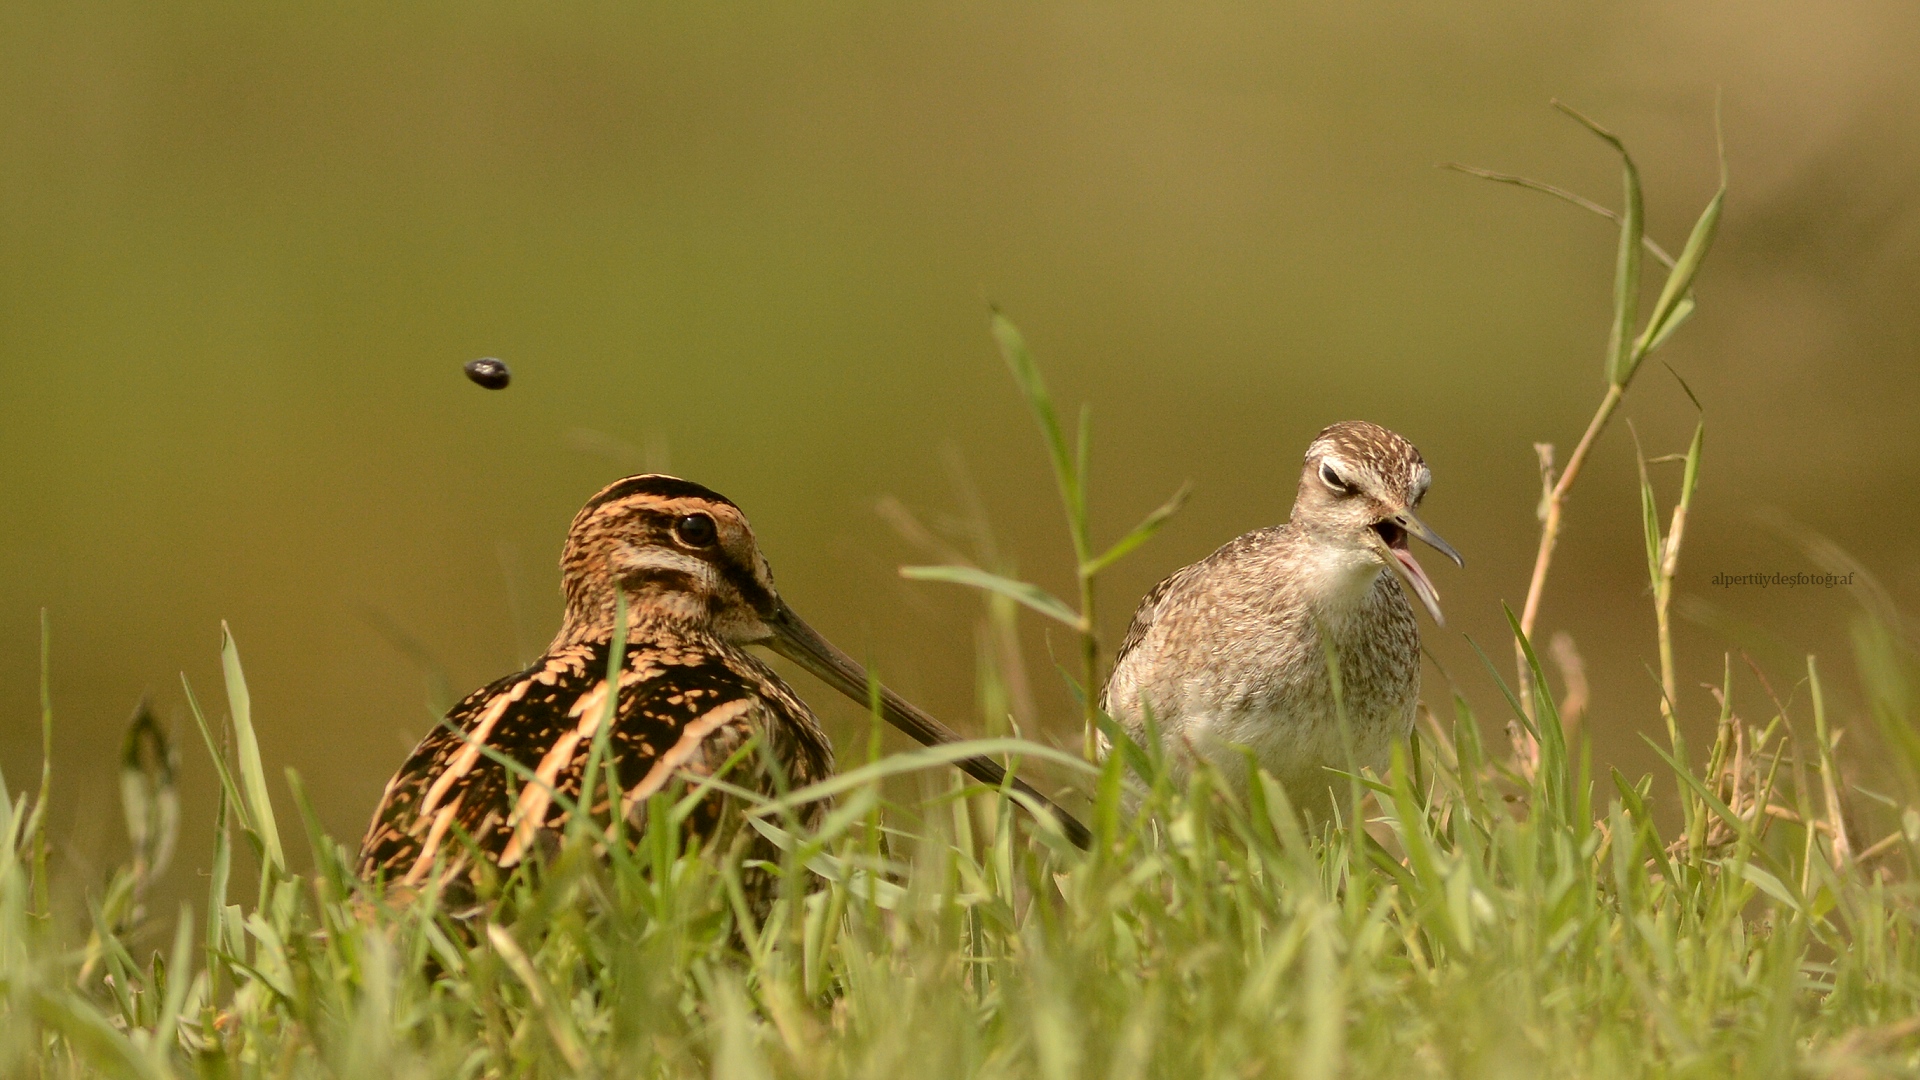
(1148, 611)
(682, 711)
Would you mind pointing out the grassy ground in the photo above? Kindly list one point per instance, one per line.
(1501, 911)
(1484, 923)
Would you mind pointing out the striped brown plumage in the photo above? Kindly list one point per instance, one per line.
(690, 696)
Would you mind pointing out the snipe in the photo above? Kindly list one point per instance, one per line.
(1233, 651)
(698, 593)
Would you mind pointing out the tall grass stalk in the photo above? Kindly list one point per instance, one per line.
(1069, 463)
(1626, 349)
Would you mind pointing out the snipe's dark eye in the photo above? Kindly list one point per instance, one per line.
(1332, 479)
(695, 530)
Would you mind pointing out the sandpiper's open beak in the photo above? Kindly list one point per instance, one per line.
(1394, 541)
(800, 643)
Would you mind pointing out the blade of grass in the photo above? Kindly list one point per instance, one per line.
(1141, 533)
(179, 978)
(1626, 268)
(922, 758)
(1031, 596)
(37, 819)
(1013, 347)
(94, 1040)
(253, 775)
(1581, 201)
(1840, 845)
(559, 1026)
(1649, 511)
(1667, 310)
(603, 734)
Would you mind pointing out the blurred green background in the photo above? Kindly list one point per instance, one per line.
(245, 249)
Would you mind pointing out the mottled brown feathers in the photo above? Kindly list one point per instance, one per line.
(1231, 652)
(689, 697)
(452, 800)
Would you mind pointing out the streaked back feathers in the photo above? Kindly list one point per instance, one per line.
(690, 696)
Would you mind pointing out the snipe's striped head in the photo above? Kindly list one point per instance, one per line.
(685, 558)
(1359, 486)
(681, 553)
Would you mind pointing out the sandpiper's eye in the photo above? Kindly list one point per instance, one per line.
(1333, 481)
(695, 530)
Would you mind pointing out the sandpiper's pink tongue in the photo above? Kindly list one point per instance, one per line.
(1421, 585)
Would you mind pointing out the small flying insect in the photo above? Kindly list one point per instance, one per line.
(489, 373)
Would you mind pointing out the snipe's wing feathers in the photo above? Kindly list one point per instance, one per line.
(679, 711)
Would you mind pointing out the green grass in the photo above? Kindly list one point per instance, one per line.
(1749, 911)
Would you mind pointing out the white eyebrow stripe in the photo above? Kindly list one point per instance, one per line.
(652, 557)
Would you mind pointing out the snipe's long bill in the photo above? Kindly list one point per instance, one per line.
(495, 781)
(802, 644)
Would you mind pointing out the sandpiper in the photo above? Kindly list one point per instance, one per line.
(698, 592)
(1232, 651)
